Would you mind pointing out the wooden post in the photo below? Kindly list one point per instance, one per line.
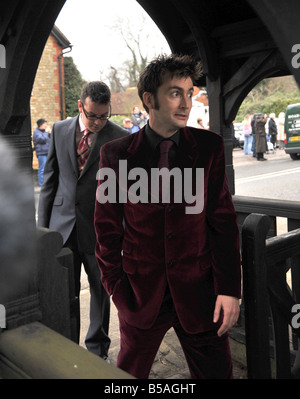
(255, 294)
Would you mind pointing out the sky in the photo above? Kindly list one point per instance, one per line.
(96, 45)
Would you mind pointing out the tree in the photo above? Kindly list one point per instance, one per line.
(270, 95)
(114, 81)
(73, 86)
(134, 42)
(137, 43)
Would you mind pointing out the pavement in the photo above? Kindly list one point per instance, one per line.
(239, 158)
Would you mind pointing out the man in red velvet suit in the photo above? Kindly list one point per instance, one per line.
(165, 263)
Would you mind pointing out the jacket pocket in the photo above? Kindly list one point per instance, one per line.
(129, 262)
(58, 200)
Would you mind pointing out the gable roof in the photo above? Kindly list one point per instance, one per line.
(60, 37)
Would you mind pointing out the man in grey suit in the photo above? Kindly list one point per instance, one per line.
(67, 198)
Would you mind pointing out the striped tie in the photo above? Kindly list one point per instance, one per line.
(83, 150)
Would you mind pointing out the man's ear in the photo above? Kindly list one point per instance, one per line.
(148, 99)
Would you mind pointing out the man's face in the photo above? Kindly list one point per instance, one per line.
(170, 108)
(91, 109)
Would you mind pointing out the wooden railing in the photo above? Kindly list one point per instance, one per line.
(41, 336)
(290, 210)
(282, 216)
(271, 290)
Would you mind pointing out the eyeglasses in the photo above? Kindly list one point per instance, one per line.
(94, 117)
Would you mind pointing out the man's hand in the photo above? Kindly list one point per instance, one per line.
(231, 310)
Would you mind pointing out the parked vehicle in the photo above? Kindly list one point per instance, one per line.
(292, 131)
(239, 134)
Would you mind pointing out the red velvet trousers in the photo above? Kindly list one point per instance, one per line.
(208, 356)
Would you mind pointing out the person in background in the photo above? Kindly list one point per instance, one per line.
(67, 199)
(272, 130)
(128, 125)
(261, 138)
(253, 146)
(138, 117)
(41, 142)
(280, 136)
(247, 135)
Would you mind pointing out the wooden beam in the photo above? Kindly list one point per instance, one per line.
(254, 69)
(282, 20)
(34, 351)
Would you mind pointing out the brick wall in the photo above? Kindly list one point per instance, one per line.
(45, 98)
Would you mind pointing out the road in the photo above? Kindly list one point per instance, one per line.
(276, 178)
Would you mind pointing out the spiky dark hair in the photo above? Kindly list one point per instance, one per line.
(175, 65)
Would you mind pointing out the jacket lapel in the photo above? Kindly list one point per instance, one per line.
(136, 157)
(71, 143)
(189, 153)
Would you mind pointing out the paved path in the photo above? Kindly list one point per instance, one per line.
(239, 158)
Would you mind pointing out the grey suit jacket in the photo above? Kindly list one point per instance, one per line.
(67, 198)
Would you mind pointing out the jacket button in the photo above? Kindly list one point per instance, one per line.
(170, 262)
(170, 235)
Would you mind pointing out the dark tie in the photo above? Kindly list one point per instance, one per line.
(83, 150)
(163, 162)
(165, 146)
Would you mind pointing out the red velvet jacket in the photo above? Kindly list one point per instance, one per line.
(145, 246)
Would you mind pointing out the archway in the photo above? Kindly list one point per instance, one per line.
(238, 43)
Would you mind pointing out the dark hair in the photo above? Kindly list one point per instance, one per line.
(40, 122)
(97, 91)
(176, 65)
